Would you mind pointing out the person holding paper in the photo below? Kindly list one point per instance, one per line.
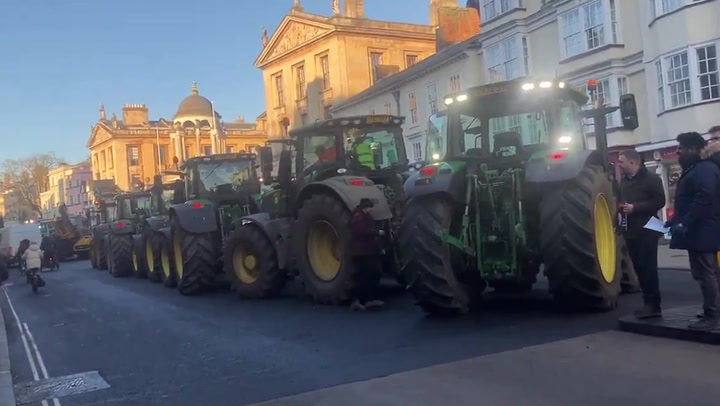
(642, 196)
(695, 227)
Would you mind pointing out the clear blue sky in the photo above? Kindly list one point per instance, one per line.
(61, 59)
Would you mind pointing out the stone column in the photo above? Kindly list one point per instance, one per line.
(198, 148)
(214, 141)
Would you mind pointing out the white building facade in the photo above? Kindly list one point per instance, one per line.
(663, 51)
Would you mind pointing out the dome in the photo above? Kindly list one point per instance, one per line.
(194, 106)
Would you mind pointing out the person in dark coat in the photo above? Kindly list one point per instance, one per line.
(642, 196)
(366, 256)
(696, 222)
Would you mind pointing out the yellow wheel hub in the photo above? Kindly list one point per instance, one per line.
(245, 265)
(324, 250)
(135, 262)
(165, 261)
(149, 256)
(177, 248)
(605, 245)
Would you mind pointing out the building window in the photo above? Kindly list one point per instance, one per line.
(609, 88)
(496, 8)
(412, 102)
(133, 153)
(162, 152)
(207, 150)
(417, 150)
(229, 149)
(585, 27)
(376, 59)
(388, 108)
(432, 97)
(300, 80)
(688, 77)
(503, 59)
(251, 148)
(111, 159)
(188, 151)
(83, 186)
(135, 181)
(455, 83)
(325, 66)
(410, 60)
(279, 91)
(303, 119)
(661, 7)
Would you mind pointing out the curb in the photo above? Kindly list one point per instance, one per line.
(7, 392)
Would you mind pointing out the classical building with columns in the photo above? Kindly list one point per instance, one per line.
(131, 150)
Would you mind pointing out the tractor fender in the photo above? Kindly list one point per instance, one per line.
(276, 230)
(155, 223)
(166, 232)
(445, 182)
(351, 194)
(127, 228)
(539, 169)
(195, 220)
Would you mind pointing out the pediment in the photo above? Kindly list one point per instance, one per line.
(98, 135)
(290, 35)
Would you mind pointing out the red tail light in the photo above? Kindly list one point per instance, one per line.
(428, 170)
(357, 182)
(556, 156)
(121, 224)
(197, 205)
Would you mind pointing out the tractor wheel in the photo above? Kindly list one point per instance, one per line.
(93, 256)
(322, 246)
(121, 255)
(101, 259)
(430, 265)
(167, 265)
(251, 263)
(152, 242)
(138, 262)
(579, 244)
(194, 259)
(629, 283)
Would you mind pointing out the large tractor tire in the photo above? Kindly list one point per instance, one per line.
(322, 240)
(138, 261)
(431, 266)
(152, 242)
(93, 256)
(579, 244)
(121, 255)
(167, 265)
(629, 283)
(251, 263)
(194, 259)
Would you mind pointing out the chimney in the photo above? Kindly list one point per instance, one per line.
(354, 8)
(102, 113)
(135, 114)
(455, 25)
(436, 5)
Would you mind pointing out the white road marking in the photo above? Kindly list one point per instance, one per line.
(28, 352)
(43, 369)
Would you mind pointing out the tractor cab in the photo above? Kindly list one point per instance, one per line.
(164, 194)
(222, 179)
(131, 206)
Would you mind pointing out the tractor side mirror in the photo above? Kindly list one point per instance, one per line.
(628, 110)
(179, 193)
(285, 168)
(266, 164)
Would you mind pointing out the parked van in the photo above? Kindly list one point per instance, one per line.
(11, 236)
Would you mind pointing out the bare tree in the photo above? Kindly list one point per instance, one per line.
(28, 177)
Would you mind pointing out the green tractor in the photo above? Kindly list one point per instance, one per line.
(217, 190)
(305, 224)
(119, 239)
(104, 211)
(512, 186)
(148, 238)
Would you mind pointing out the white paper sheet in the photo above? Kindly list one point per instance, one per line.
(656, 224)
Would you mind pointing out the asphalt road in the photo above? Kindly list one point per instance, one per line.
(155, 347)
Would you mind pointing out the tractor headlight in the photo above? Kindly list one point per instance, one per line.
(436, 156)
(565, 139)
(461, 98)
(545, 85)
(528, 86)
(449, 101)
(341, 170)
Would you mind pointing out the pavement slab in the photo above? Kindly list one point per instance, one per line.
(609, 368)
(7, 394)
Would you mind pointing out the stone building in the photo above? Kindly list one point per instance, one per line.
(313, 61)
(133, 149)
(68, 185)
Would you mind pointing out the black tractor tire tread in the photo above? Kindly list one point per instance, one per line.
(271, 279)
(121, 247)
(199, 261)
(342, 289)
(568, 247)
(423, 254)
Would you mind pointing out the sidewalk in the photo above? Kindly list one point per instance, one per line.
(7, 393)
(672, 259)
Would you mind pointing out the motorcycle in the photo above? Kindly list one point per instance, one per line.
(35, 280)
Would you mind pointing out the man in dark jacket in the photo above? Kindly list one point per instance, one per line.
(642, 195)
(696, 222)
(366, 256)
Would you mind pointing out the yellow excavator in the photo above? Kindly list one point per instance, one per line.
(71, 238)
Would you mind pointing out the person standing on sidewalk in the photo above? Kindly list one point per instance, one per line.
(642, 195)
(696, 222)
